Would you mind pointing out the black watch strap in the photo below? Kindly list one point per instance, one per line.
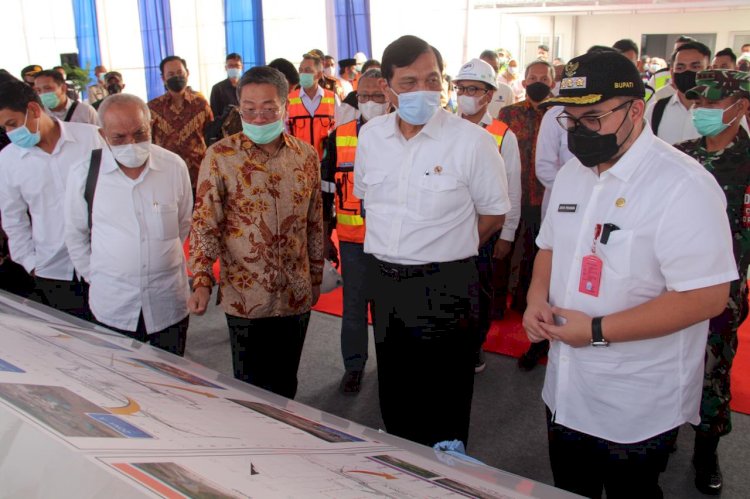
(597, 337)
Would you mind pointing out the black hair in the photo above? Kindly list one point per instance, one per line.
(234, 56)
(488, 54)
(685, 39)
(727, 52)
(268, 75)
(626, 45)
(16, 95)
(287, 69)
(171, 58)
(51, 73)
(404, 51)
(370, 63)
(6, 76)
(601, 48)
(543, 47)
(692, 46)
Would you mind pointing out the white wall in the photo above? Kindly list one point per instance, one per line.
(36, 32)
(198, 37)
(607, 29)
(120, 43)
(294, 27)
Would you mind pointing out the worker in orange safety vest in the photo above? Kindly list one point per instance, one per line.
(344, 210)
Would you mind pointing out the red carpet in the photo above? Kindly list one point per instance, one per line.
(741, 372)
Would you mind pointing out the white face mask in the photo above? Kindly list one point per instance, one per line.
(328, 71)
(132, 155)
(372, 110)
(468, 105)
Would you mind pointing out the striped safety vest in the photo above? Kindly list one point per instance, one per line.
(311, 129)
(497, 128)
(350, 222)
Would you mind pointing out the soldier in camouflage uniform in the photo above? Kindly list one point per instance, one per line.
(722, 99)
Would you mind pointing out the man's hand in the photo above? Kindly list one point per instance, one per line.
(576, 331)
(536, 316)
(315, 294)
(501, 249)
(332, 254)
(198, 301)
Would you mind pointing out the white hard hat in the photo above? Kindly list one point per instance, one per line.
(477, 70)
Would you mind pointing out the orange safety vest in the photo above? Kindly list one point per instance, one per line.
(497, 128)
(311, 129)
(350, 224)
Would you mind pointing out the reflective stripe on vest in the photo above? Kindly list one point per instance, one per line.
(350, 224)
(497, 128)
(311, 129)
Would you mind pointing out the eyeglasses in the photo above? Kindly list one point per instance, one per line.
(377, 98)
(266, 114)
(591, 123)
(470, 91)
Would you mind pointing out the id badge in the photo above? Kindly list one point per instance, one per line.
(591, 275)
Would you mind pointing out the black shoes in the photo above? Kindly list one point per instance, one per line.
(479, 363)
(533, 355)
(351, 382)
(708, 478)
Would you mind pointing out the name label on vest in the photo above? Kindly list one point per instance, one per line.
(567, 208)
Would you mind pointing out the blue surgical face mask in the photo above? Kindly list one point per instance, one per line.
(416, 108)
(234, 73)
(710, 122)
(50, 100)
(307, 80)
(22, 136)
(263, 134)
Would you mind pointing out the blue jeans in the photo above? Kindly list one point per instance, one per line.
(355, 267)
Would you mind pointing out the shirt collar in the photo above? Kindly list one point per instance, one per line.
(318, 93)
(246, 143)
(433, 128)
(486, 119)
(634, 157)
(65, 136)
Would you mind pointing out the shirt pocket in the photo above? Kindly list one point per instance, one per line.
(617, 253)
(439, 196)
(164, 221)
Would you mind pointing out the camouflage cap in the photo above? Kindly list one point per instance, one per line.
(717, 84)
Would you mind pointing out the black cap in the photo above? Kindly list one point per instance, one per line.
(345, 63)
(595, 77)
(31, 70)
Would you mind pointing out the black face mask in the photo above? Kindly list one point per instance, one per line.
(114, 88)
(592, 148)
(685, 81)
(177, 83)
(537, 91)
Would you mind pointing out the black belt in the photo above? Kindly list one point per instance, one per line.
(399, 272)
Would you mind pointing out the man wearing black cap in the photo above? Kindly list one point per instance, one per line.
(29, 72)
(623, 286)
(721, 100)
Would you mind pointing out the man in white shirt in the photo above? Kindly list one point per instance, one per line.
(130, 250)
(502, 95)
(98, 90)
(52, 91)
(475, 84)
(434, 190)
(33, 175)
(623, 287)
(669, 117)
(551, 153)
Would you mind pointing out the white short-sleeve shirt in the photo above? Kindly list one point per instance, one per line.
(422, 196)
(673, 235)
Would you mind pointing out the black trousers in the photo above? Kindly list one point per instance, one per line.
(266, 352)
(585, 464)
(171, 338)
(425, 342)
(71, 297)
(15, 279)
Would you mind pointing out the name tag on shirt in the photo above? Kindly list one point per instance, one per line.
(567, 208)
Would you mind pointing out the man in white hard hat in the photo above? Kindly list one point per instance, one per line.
(475, 85)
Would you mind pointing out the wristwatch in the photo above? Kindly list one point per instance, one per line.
(597, 338)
